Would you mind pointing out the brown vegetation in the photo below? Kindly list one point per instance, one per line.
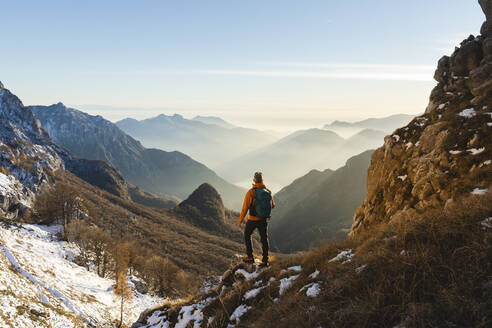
(430, 270)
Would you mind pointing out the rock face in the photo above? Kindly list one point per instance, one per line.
(487, 8)
(444, 153)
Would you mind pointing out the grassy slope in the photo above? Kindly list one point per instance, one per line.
(190, 248)
(428, 271)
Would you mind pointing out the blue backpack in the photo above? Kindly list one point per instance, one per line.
(261, 206)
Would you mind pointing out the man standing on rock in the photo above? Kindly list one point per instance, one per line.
(259, 202)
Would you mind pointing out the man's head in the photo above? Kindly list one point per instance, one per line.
(258, 178)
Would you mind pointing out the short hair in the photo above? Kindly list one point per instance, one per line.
(258, 177)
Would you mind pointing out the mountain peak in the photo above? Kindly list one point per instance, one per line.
(207, 201)
(1, 85)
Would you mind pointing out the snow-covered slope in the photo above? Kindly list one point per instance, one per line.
(40, 285)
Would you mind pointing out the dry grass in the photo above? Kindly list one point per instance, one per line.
(434, 270)
(431, 270)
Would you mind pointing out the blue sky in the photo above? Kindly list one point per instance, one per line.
(280, 64)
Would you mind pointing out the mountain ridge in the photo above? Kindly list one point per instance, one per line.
(156, 171)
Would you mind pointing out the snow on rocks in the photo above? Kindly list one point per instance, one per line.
(475, 151)
(479, 191)
(455, 152)
(344, 257)
(312, 290)
(408, 145)
(314, 275)
(358, 270)
(467, 113)
(402, 177)
(396, 137)
(285, 283)
(192, 313)
(253, 292)
(296, 268)
(239, 312)
(158, 317)
(487, 223)
(247, 275)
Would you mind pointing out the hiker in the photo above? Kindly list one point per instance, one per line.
(259, 202)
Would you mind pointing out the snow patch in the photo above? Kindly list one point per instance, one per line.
(455, 152)
(314, 275)
(193, 313)
(344, 257)
(478, 191)
(285, 283)
(314, 290)
(475, 151)
(247, 275)
(487, 223)
(239, 312)
(253, 292)
(358, 270)
(403, 177)
(467, 113)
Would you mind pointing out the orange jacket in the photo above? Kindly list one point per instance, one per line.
(248, 199)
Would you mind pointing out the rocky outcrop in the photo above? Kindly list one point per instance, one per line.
(444, 153)
(204, 208)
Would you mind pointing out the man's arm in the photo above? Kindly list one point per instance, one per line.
(246, 205)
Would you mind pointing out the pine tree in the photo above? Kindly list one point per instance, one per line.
(123, 291)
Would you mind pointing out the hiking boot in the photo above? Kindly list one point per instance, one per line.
(248, 259)
(263, 264)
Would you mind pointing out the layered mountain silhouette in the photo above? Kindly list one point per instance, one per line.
(163, 173)
(319, 206)
(298, 153)
(385, 124)
(209, 140)
(215, 121)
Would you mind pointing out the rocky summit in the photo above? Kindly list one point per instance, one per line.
(445, 153)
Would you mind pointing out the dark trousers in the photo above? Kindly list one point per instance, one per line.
(261, 225)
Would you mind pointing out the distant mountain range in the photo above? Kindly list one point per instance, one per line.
(209, 140)
(157, 171)
(319, 206)
(298, 153)
(385, 124)
(214, 120)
